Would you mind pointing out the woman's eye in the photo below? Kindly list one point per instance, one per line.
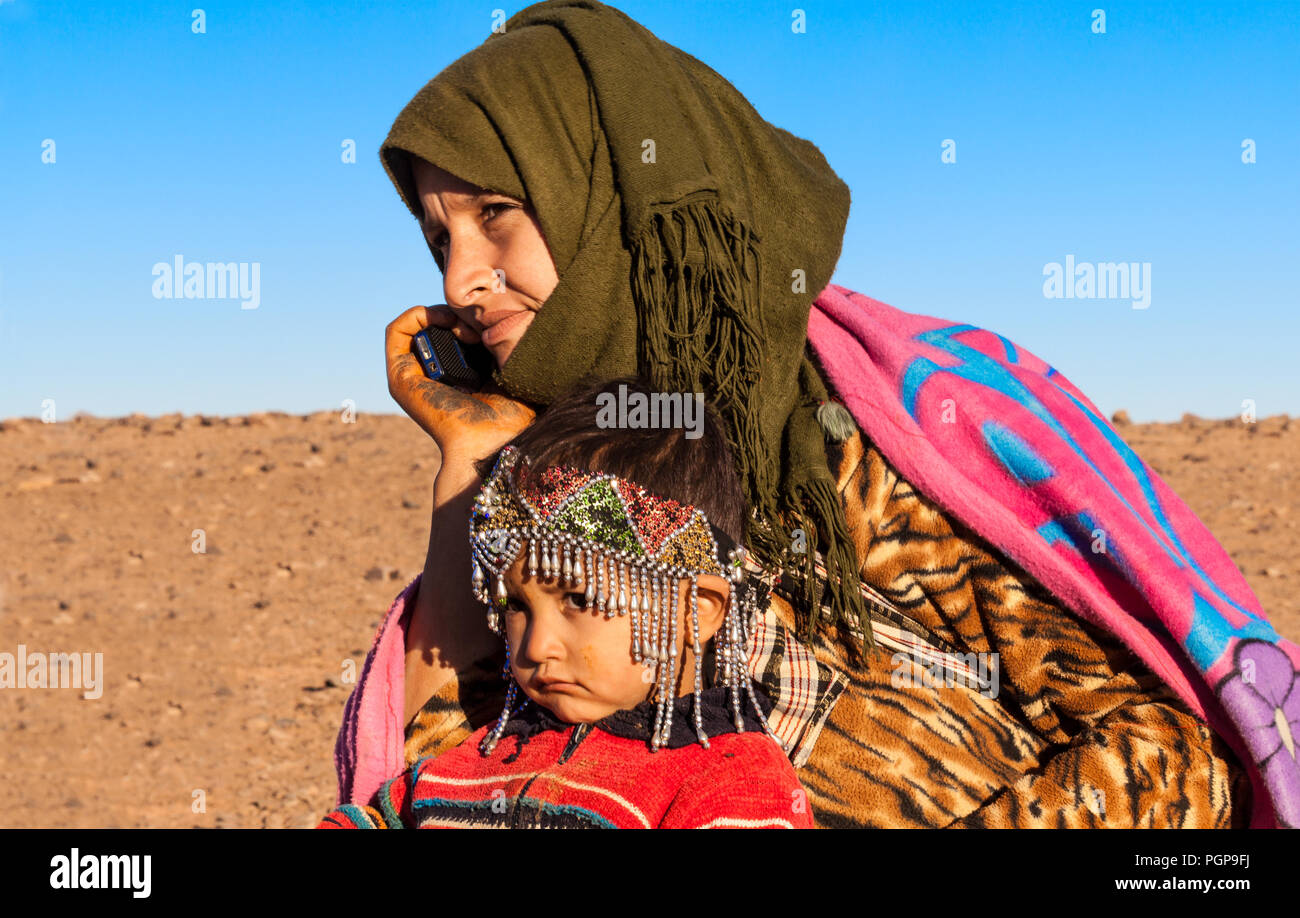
(514, 606)
(497, 207)
(491, 211)
(577, 600)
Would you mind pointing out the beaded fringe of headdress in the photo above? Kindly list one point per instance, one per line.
(629, 549)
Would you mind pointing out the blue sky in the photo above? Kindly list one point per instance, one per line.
(225, 147)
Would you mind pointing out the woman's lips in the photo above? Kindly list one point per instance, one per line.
(502, 329)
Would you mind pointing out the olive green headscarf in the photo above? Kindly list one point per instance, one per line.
(690, 237)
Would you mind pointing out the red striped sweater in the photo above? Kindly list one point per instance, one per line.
(545, 773)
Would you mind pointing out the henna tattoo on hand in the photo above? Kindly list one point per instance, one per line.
(490, 407)
(462, 407)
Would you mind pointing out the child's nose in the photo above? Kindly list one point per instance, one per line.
(543, 639)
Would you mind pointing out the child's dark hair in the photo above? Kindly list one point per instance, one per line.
(697, 471)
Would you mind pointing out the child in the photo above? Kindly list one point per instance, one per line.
(611, 564)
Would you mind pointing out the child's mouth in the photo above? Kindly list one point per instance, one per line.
(557, 686)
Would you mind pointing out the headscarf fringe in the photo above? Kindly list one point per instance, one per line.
(695, 279)
(695, 274)
(815, 503)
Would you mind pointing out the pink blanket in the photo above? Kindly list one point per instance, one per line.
(369, 748)
(1009, 447)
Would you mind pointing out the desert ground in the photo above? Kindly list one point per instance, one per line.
(225, 671)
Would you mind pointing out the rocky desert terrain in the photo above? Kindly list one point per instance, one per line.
(225, 670)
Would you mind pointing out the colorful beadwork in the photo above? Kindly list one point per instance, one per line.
(629, 549)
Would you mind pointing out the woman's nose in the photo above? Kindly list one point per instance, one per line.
(471, 272)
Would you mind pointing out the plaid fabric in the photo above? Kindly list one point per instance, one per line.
(804, 690)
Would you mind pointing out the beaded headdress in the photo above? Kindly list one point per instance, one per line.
(629, 549)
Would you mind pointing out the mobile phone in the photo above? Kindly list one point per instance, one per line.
(447, 360)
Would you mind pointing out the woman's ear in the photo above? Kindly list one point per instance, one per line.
(713, 593)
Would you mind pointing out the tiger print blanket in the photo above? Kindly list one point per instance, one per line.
(1014, 452)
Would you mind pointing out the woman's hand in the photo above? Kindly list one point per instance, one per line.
(467, 426)
(447, 632)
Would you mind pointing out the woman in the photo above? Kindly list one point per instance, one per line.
(601, 203)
